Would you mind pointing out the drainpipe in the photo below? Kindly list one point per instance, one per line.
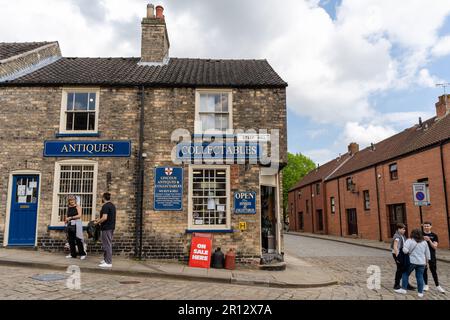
(444, 179)
(378, 204)
(140, 179)
(312, 207)
(340, 213)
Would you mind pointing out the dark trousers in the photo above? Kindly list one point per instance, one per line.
(398, 272)
(433, 269)
(107, 238)
(73, 240)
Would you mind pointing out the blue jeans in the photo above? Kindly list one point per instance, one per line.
(419, 276)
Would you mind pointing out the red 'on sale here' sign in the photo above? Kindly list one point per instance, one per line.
(200, 256)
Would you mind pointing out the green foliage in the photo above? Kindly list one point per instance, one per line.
(297, 167)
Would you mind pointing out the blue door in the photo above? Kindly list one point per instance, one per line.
(23, 216)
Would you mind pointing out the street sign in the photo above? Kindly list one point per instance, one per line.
(420, 194)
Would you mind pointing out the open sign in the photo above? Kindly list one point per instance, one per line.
(245, 202)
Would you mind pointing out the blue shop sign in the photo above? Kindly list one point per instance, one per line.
(245, 202)
(87, 148)
(188, 151)
(168, 194)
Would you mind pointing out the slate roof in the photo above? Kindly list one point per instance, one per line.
(411, 140)
(11, 49)
(178, 72)
(321, 172)
(406, 142)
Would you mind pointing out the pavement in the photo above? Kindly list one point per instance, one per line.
(298, 273)
(443, 255)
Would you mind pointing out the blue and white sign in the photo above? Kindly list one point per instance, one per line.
(245, 202)
(168, 189)
(211, 151)
(420, 194)
(87, 148)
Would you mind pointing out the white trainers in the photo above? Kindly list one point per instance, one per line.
(83, 257)
(105, 265)
(440, 289)
(402, 291)
(420, 295)
(102, 262)
(426, 288)
(69, 257)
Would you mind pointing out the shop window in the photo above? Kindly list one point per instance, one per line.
(333, 204)
(366, 200)
(79, 111)
(209, 199)
(214, 111)
(78, 179)
(393, 171)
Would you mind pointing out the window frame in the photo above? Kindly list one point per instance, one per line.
(347, 180)
(366, 201)
(63, 114)
(191, 225)
(198, 121)
(391, 172)
(56, 183)
(318, 189)
(333, 205)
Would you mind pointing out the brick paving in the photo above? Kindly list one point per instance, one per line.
(347, 262)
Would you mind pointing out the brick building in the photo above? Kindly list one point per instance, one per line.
(365, 193)
(84, 126)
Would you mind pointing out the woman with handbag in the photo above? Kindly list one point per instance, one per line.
(74, 229)
(416, 249)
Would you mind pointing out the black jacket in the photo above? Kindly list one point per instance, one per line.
(93, 231)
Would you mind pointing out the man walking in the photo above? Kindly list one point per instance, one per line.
(107, 224)
(432, 239)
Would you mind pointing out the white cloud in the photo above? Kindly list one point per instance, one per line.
(364, 134)
(319, 156)
(333, 66)
(442, 47)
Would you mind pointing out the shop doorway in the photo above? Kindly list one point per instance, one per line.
(300, 221)
(352, 221)
(23, 210)
(268, 220)
(397, 214)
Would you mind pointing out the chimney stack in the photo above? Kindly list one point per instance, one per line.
(155, 39)
(353, 148)
(443, 106)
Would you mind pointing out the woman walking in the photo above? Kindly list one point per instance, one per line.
(419, 254)
(75, 229)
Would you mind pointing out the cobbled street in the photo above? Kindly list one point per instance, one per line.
(347, 262)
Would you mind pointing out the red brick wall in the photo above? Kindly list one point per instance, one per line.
(426, 164)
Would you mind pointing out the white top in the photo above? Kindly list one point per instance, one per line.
(419, 253)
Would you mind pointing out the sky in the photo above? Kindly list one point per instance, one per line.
(358, 70)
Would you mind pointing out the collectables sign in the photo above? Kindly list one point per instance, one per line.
(168, 194)
(200, 256)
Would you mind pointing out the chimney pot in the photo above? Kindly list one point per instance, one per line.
(353, 148)
(443, 106)
(150, 11)
(159, 12)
